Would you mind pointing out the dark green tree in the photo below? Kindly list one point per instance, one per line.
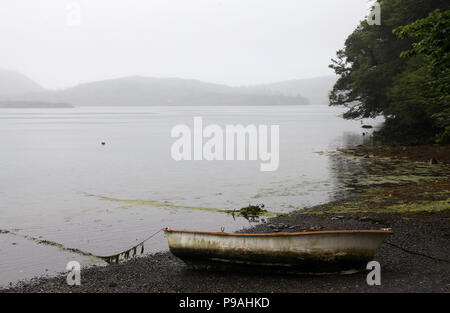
(373, 75)
(427, 84)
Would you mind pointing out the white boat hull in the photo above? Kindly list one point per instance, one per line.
(306, 252)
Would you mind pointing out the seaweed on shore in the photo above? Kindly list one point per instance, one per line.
(251, 212)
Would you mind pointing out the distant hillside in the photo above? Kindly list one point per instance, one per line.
(32, 104)
(12, 83)
(145, 91)
(148, 91)
(315, 89)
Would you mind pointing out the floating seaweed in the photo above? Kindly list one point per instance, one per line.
(251, 212)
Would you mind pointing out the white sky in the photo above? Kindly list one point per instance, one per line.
(224, 41)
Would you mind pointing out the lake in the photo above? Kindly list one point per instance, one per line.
(59, 183)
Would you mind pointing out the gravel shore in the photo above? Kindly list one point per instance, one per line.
(413, 259)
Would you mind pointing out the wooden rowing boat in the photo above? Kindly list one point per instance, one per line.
(318, 252)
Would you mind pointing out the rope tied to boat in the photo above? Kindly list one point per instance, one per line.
(115, 258)
(127, 254)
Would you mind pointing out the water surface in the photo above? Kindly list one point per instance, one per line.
(58, 183)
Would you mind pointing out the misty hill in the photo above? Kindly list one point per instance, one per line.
(21, 91)
(32, 104)
(12, 82)
(315, 89)
(146, 91)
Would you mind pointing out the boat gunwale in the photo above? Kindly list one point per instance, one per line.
(379, 231)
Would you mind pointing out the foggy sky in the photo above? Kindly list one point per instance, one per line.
(224, 41)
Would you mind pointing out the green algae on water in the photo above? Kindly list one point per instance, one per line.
(244, 212)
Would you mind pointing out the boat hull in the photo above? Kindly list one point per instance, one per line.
(313, 252)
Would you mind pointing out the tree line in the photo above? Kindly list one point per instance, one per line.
(400, 70)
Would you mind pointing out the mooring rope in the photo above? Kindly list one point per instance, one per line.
(126, 254)
(416, 253)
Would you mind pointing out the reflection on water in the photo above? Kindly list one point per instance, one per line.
(352, 139)
(60, 184)
(345, 173)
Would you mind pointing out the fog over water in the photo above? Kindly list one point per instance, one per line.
(60, 184)
(75, 73)
(233, 42)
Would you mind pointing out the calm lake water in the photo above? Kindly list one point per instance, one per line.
(58, 183)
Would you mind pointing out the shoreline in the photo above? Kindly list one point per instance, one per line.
(413, 200)
(417, 266)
